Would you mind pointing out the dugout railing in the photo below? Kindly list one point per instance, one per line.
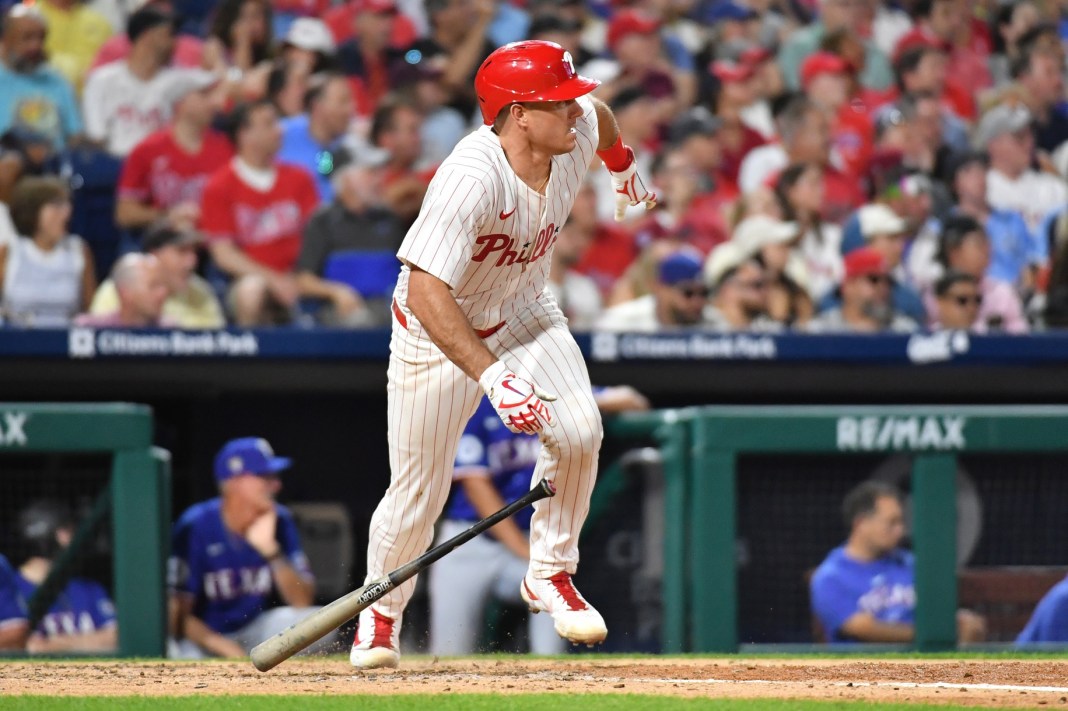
(137, 495)
(701, 448)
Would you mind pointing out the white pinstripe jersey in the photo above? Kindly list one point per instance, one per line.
(487, 234)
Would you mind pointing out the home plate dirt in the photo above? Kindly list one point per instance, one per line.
(981, 683)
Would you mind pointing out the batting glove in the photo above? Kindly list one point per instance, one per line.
(519, 403)
(630, 190)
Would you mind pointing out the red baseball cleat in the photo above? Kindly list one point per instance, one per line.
(377, 642)
(575, 619)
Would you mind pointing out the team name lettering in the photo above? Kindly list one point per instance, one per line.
(880, 433)
(261, 225)
(12, 429)
(67, 622)
(228, 583)
(511, 251)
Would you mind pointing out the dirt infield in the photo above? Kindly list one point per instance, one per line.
(1011, 683)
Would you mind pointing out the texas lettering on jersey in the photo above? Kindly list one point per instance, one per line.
(230, 583)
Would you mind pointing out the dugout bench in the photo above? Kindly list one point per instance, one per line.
(137, 495)
(700, 449)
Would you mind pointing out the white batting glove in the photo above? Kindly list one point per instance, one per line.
(630, 190)
(519, 403)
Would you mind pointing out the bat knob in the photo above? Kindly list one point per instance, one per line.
(548, 487)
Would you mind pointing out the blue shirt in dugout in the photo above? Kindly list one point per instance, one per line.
(300, 148)
(230, 582)
(12, 603)
(510, 458)
(1049, 622)
(842, 587)
(82, 607)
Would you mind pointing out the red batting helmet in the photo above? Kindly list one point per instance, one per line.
(532, 70)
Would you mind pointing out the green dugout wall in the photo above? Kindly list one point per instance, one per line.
(138, 493)
(701, 446)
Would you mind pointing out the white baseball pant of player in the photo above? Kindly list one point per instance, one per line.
(463, 582)
(430, 401)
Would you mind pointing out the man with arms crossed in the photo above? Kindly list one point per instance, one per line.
(471, 309)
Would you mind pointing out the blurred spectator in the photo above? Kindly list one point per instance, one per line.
(443, 126)
(958, 298)
(76, 32)
(188, 49)
(924, 68)
(25, 152)
(164, 175)
(865, 293)
(32, 94)
(140, 291)
(689, 209)
(82, 618)
(773, 244)
(889, 24)
(14, 618)
(1056, 307)
(231, 554)
(739, 290)
(494, 467)
(355, 221)
(834, 14)
(965, 247)
(311, 139)
(125, 101)
(253, 213)
(887, 233)
(799, 193)
(611, 249)
(766, 84)
(190, 301)
(677, 300)
(1011, 23)
(1015, 251)
(577, 294)
(925, 134)
(864, 590)
(1049, 622)
(46, 275)
(947, 23)
(825, 78)
(1039, 79)
(396, 129)
(239, 47)
(407, 19)
(458, 31)
(1005, 134)
(368, 56)
(696, 134)
(805, 134)
(287, 83)
(733, 97)
(309, 45)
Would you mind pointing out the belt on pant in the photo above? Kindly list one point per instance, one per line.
(481, 333)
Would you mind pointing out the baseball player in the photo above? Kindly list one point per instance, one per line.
(472, 317)
(494, 467)
(14, 619)
(231, 553)
(82, 619)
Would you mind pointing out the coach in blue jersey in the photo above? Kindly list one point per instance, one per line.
(14, 620)
(231, 553)
(494, 466)
(1049, 622)
(863, 591)
(82, 618)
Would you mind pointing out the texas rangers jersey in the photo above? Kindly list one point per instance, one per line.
(1049, 622)
(842, 587)
(485, 232)
(82, 607)
(510, 458)
(229, 580)
(12, 604)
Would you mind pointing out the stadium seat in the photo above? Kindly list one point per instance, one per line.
(93, 175)
(372, 274)
(326, 537)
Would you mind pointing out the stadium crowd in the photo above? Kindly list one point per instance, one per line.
(840, 165)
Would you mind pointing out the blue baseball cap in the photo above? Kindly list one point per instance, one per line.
(248, 455)
(680, 267)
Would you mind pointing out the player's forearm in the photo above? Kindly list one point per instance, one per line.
(295, 590)
(865, 628)
(105, 640)
(486, 500)
(607, 128)
(209, 640)
(130, 214)
(433, 304)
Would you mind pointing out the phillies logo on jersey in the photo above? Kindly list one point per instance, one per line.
(511, 251)
(261, 225)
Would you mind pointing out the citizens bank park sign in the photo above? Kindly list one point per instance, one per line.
(90, 343)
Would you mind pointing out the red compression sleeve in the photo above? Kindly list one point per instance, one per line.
(617, 157)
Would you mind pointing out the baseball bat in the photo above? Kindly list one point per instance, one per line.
(273, 651)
